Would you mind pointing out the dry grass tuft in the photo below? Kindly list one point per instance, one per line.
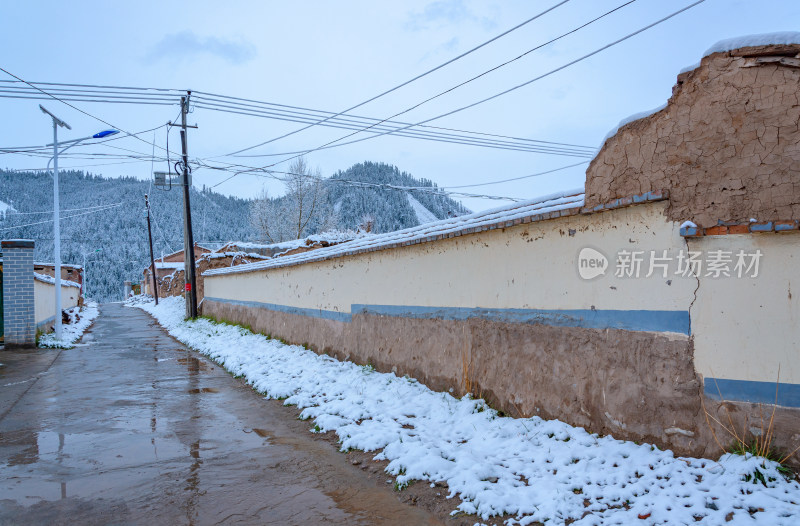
(745, 441)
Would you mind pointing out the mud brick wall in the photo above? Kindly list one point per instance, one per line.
(174, 284)
(727, 145)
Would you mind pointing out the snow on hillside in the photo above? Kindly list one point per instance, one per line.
(423, 214)
(5, 208)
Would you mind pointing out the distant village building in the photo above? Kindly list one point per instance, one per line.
(166, 266)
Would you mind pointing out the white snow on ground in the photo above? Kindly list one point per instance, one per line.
(549, 203)
(80, 320)
(533, 469)
(423, 214)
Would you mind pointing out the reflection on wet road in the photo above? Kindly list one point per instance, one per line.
(133, 428)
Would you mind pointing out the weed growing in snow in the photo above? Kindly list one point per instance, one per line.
(530, 468)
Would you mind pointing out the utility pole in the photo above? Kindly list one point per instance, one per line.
(188, 236)
(150, 238)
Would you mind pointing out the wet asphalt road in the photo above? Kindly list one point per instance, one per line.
(131, 427)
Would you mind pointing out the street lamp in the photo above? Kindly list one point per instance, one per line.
(56, 224)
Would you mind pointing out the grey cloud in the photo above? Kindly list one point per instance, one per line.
(443, 12)
(186, 45)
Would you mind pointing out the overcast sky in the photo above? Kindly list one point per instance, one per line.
(330, 55)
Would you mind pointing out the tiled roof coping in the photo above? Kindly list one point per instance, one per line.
(753, 227)
(562, 204)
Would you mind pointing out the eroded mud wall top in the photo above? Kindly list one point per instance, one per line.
(727, 145)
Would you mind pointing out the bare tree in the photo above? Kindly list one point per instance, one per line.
(302, 211)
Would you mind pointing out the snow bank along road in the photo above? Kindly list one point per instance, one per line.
(533, 469)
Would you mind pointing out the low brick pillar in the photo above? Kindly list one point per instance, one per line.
(19, 323)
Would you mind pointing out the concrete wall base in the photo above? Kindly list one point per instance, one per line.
(632, 385)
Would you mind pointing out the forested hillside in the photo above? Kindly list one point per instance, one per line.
(114, 241)
(390, 208)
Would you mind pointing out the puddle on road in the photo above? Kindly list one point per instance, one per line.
(204, 390)
(295, 443)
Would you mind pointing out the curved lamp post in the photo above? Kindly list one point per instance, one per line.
(56, 224)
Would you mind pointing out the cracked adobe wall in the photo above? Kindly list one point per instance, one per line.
(727, 145)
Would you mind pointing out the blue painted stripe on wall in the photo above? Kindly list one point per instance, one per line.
(631, 320)
(314, 313)
(748, 391)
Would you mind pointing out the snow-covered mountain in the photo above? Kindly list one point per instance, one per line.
(394, 199)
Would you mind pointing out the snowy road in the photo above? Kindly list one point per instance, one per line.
(130, 427)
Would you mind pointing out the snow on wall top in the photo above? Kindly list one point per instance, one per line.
(328, 237)
(221, 255)
(63, 265)
(729, 44)
(44, 278)
(422, 233)
(763, 39)
(629, 119)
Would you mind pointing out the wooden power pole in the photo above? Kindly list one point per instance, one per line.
(152, 260)
(188, 236)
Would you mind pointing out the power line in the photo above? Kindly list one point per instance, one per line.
(246, 103)
(630, 35)
(440, 66)
(65, 217)
(226, 104)
(364, 184)
(424, 135)
(103, 86)
(80, 166)
(13, 214)
(19, 149)
(74, 107)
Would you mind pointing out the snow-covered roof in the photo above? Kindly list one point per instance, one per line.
(169, 264)
(181, 251)
(325, 237)
(44, 278)
(63, 265)
(516, 213)
(220, 255)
